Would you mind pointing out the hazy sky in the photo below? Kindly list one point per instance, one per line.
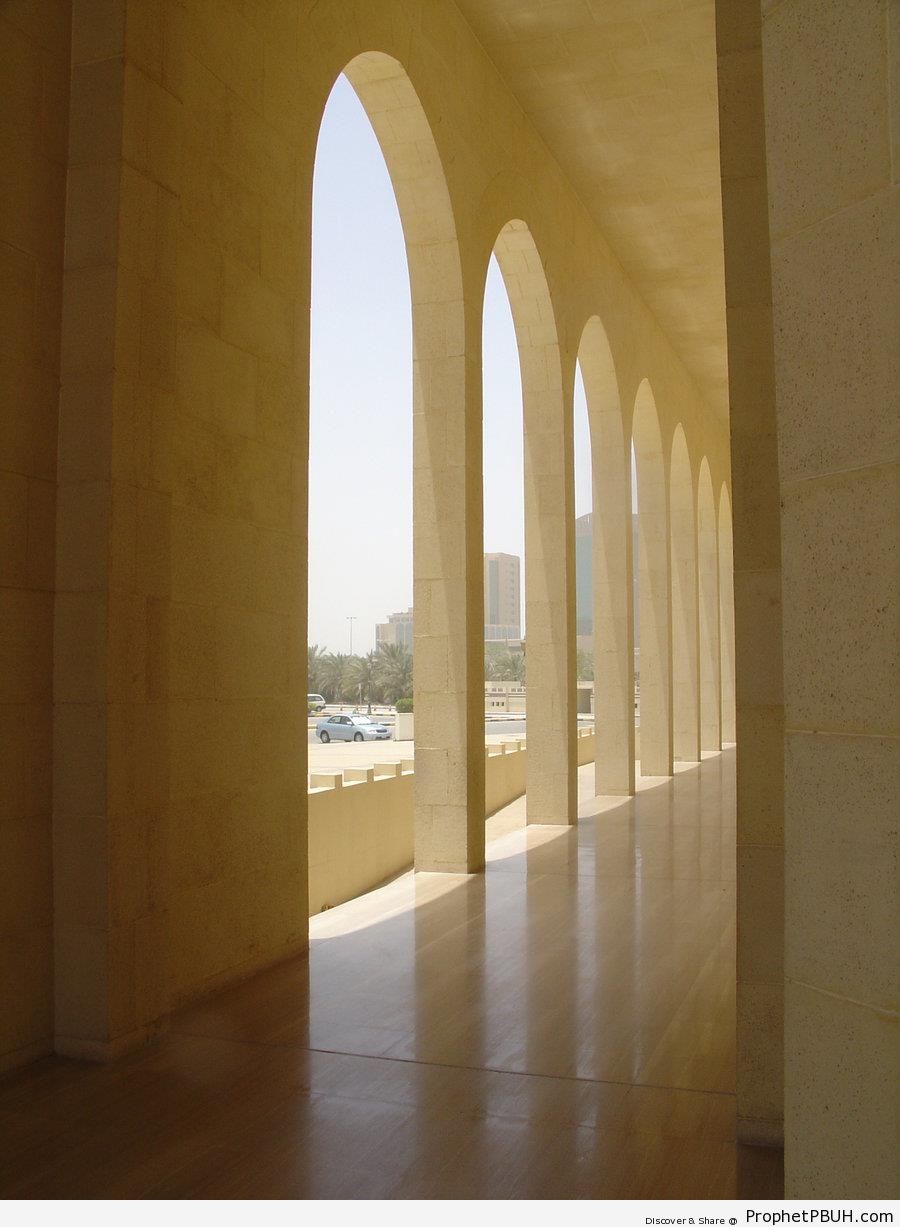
(360, 530)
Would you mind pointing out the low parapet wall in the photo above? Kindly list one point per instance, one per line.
(361, 818)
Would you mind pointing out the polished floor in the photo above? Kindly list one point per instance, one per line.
(562, 1026)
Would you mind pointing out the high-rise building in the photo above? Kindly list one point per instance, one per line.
(397, 629)
(584, 582)
(502, 597)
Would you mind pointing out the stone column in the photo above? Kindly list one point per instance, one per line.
(830, 89)
(710, 651)
(757, 576)
(726, 616)
(551, 795)
(111, 744)
(685, 620)
(613, 611)
(654, 580)
(448, 598)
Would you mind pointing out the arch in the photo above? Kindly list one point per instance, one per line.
(550, 682)
(685, 625)
(708, 567)
(656, 755)
(726, 616)
(448, 690)
(611, 552)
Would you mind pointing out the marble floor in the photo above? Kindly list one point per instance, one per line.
(562, 1026)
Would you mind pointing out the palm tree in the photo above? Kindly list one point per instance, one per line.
(364, 676)
(315, 657)
(336, 676)
(510, 667)
(395, 671)
(585, 667)
(490, 665)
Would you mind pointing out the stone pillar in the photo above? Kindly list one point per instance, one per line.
(34, 104)
(830, 84)
(726, 616)
(111, 745)
(685, 621)
(710, 653)
(179, 753)
(654, 580)
(551, 795)
(613, 611)
(448, 580)
(448, 599)
(757, 575)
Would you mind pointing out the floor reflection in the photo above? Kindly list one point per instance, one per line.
(561, 1026)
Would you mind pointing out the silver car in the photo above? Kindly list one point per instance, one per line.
(351, 728)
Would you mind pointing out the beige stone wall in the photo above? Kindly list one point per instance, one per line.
(805, 103)
(360, 831)
(505, 774)
(34, 88)
(232, 454)
(759, 710)
(832, 207)
(361, 824)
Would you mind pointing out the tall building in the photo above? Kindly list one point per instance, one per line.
(397, 630)
(584, 582)
(502, 597)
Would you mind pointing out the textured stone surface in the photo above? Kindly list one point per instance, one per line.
(34, 89)
(828, 126)
(756, 543)
(841, 907)
(840, 602)
(835, 363)
(841, 1072)
(827, 359)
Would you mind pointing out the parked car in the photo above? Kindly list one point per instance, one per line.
(316, 702)
(351, 728)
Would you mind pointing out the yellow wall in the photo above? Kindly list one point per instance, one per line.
(360, 834)
(34, 87)
(833, 225)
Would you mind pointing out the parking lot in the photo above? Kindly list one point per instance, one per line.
(338, 754)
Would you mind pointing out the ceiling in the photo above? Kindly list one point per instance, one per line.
(624, 94)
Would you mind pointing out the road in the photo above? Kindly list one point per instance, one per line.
(339, 754)
(492, 728)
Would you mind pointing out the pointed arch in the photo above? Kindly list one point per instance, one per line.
(726, 616)
(708, 565)
(655, 588)
(550, 682)
(685, 624)
(448, 690)
(613, 619)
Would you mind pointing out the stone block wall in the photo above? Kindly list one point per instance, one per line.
(34, 121)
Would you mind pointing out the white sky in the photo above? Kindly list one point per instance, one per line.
(360, 520)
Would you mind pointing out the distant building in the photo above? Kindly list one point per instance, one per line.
(502, 606)
(584, 572)
(584, 582)
(502, 597)
(397, 629)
